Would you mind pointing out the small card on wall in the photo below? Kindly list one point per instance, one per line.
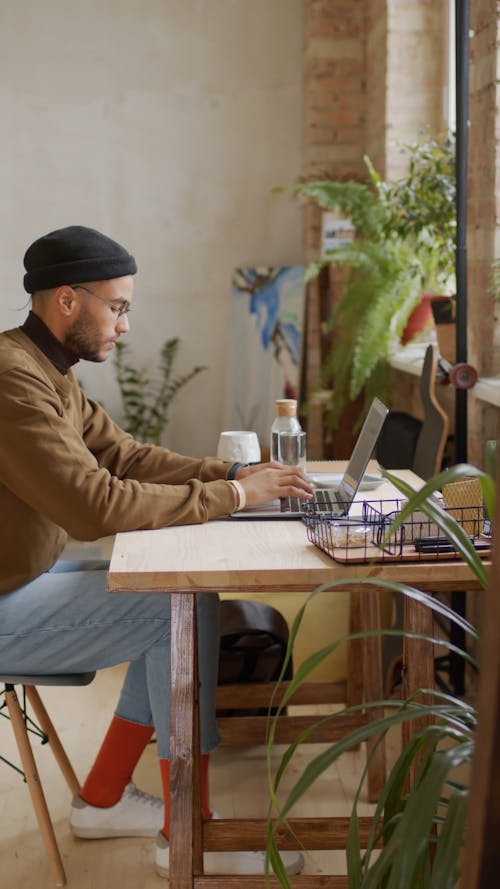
(336, 231)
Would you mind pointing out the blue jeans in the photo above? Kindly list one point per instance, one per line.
(64, 622)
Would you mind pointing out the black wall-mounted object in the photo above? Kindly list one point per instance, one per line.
(462, 44)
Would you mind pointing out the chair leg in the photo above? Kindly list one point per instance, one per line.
(53, 739)
(35, 788)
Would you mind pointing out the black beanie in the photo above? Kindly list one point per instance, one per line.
(74, 255)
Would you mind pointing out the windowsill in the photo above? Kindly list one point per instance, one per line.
(488, 389)
(410, 359)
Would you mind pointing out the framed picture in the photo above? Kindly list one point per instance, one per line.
(266, 337)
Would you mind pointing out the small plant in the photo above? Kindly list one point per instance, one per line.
(421, 208)
(145, 400)
(421, 828)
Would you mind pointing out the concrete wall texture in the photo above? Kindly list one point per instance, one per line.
(165, 124)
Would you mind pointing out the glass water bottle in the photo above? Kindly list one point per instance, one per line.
(285, 422)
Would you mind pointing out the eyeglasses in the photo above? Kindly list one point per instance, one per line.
(117, 311)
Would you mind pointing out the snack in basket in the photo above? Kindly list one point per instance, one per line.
(350, 534)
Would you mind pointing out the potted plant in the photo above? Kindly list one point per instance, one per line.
(420, 826)
(146, 400)
(404, 246)
(422, 211)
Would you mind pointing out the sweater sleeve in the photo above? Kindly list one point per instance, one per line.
(126, 458)
(71, 463)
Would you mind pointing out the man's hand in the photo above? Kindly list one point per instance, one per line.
(268, 481)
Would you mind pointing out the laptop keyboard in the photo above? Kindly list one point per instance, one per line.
(322, 502)
(290, 504)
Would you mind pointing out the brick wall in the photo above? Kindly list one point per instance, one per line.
(334, 102)
(373, 76)
(376, 82)
(334, 86)
(333, 98)
(416, 70)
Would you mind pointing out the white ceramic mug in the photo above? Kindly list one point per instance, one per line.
(238, 446)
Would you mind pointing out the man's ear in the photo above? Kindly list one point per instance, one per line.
(66, 300)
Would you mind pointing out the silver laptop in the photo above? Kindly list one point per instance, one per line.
(335, 499)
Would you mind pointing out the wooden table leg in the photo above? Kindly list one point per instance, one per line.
(418, 661)
(186, 849)
(355, 653)
(374, 688)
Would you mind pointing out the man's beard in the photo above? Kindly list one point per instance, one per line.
(82, 338)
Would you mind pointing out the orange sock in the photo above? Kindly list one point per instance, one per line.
(165, 778)
(115, 762)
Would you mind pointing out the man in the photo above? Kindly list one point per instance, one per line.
(67, 468)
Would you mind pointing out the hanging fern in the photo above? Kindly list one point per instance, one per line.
(381, 291)
(359, 201)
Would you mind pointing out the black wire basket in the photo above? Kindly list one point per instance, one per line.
(368, 536)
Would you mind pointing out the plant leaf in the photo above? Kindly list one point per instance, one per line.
(450, 527)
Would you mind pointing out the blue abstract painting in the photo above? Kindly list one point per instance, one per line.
(266, 338)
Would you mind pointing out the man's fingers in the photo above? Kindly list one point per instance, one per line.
(270, 481)
(296, 479)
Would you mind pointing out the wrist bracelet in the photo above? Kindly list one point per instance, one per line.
(240, 494)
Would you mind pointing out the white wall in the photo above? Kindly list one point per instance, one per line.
(163, 123)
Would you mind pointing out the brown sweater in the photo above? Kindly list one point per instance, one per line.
(67, 468)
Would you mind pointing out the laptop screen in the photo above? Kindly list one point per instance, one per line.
(363, 449)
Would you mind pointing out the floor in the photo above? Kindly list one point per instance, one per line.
(237, 780)
(238, 789)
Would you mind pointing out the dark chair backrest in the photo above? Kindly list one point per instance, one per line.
(432, 439)
(409, 443)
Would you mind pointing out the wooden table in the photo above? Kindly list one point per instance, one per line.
(260, 556)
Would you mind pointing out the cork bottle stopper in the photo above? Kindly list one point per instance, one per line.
(287, 407)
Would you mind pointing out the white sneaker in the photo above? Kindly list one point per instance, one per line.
(229, 862)
(136, 814)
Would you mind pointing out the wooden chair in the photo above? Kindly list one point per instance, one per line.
(409, 443)
(434, 432)
(22, 724)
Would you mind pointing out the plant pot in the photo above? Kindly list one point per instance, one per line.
(443, 311)
(420, 319)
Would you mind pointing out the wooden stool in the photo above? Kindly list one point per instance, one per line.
(21, 725)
